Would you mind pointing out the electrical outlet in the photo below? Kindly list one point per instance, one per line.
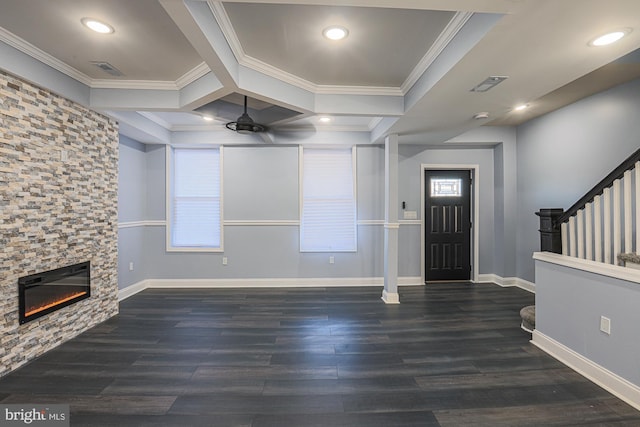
(131, 266)
(332, 260)
(224, 260)
(605, 325)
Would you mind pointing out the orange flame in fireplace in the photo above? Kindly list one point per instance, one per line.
(53, 304)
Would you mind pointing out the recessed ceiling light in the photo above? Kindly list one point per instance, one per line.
(335, 33)
(97, 26)
(521, 107)
(207, 118)
(325, 119)
(609, 38)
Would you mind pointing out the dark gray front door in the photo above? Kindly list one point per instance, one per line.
(447, 225)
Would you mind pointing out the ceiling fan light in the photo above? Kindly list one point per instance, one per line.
(245, 124)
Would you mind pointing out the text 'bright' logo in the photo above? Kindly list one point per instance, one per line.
(50, 415)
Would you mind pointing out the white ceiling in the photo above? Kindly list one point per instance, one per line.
(406, 67)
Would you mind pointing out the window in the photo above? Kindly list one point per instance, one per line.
(195, 202)
(446, 187)
(328, 203)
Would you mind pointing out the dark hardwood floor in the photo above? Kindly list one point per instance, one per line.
(449, 355)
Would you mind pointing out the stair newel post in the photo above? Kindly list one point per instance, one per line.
(550, 234)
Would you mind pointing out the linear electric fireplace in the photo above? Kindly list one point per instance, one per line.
(43, 293)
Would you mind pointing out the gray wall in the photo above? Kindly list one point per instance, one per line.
(569, 304)
(563, 154)
(261, 184)
(132, 206)
(411, 158)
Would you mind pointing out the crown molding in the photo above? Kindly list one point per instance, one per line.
(255, 64)
(221, 17)
(133, 84)
(208, 127)
(42, 56)
(192, 75)
(453, 27)
(324, 128)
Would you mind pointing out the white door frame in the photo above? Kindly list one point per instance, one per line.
(475, 207)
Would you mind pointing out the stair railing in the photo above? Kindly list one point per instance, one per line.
(604, 223)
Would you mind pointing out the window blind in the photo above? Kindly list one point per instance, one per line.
(196, 207)
(328, 218)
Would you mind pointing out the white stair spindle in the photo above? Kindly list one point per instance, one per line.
(580, 232)
(637, 172)
(617, 225)
(572, 237)
(565, 240)
(628, 219)
(588, 231)
(606, 223)
(597, 228)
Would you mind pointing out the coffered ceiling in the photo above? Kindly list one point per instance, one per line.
(406, 66)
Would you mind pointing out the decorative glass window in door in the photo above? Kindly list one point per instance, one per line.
(446, 187)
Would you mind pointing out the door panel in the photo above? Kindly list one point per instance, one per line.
(448, 231)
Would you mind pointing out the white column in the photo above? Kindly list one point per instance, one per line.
(391, 224)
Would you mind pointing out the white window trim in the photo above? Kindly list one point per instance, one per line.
(301, 200)
(168, 194)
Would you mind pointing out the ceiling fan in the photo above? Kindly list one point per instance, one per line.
(245, 124)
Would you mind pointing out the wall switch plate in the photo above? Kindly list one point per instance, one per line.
(332, 260)
(224, 260)
(131, 266)
(410, 215)
(605, 325)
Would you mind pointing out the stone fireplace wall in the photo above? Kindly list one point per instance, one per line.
(58, 206)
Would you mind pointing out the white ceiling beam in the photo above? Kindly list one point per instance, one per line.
(484, 6)
(197, 22)
(135, 99)
(140, 128)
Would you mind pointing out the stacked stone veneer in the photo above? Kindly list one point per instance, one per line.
(54, 212)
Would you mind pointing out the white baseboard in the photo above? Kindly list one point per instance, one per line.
(606, 379)
(262, 283)
(131, 290)
(506, 282)
(390, 297)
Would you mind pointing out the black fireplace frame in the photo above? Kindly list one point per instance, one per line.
(82, 269)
